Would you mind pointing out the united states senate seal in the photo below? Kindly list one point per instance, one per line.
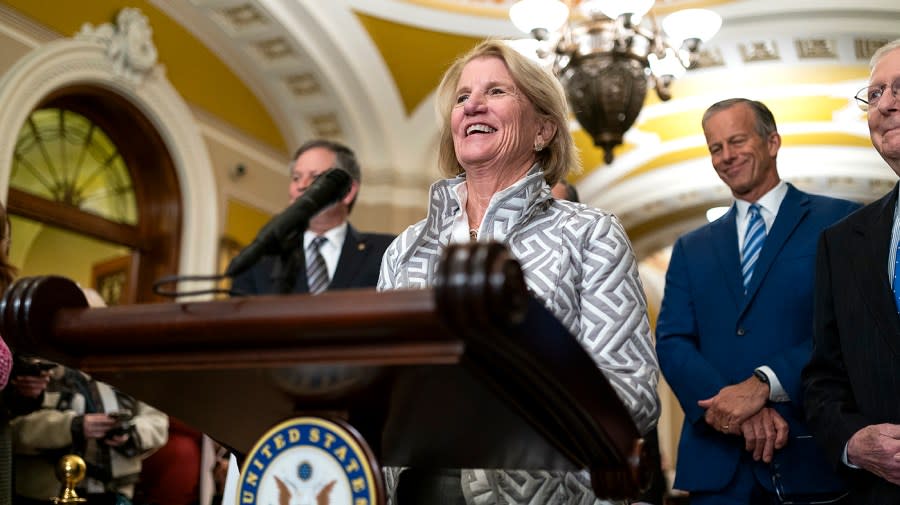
(310, 461)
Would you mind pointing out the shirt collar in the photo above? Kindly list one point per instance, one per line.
(769, 202)
(333, 236)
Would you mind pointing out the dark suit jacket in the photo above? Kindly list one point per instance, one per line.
(711, 335)
(358, 267)
(853, 378)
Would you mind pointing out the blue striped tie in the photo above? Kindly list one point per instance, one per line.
(897, 279)
(753, 243)
(316, 271)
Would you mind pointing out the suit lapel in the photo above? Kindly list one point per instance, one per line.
(350, 261)
(723, 235)
(794, 207)
(874, 231)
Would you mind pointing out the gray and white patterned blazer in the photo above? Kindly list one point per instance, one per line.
(579, 262)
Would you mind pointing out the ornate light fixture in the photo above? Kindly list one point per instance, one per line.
(606, 58)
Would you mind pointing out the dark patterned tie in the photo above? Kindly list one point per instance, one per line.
(316, 271)
(753, 243)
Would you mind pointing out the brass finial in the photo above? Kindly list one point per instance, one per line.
(70, 471)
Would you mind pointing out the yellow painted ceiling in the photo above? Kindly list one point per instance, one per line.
(195, 71)
(591, 156)
(416, 58)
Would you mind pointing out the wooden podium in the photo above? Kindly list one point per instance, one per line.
(470, 374)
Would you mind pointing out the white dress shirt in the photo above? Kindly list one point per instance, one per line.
(331, 248)
(768, 209)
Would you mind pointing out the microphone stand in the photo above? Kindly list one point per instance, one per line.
(287, 266)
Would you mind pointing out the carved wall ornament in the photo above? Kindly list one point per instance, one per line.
(273, 49)
(303, 85)
(865, 48)
(129, 43)
(816, 48)
(709, 57)
(326, 125)
(759, 51)
(244, 15)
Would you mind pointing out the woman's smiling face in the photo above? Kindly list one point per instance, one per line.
(491, 122)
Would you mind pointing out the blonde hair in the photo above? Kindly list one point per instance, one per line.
(559, 157)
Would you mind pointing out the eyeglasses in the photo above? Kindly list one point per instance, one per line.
(869, 96)
(813, 499)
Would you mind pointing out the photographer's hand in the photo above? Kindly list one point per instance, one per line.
(96, 425)
(117, 440)
(31, 386)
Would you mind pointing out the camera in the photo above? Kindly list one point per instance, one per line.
(123, 423)
(31, 366)
(238, 171)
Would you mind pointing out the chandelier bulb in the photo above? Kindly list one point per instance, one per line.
(700, 24)
(531, 15)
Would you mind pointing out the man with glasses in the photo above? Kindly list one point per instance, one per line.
(331, 254)
(735, 326)
(852, 383)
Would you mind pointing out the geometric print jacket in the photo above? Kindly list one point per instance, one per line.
(579, 262)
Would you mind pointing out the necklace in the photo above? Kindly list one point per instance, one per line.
(473, 235)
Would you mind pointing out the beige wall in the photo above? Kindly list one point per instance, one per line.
(384, 218)
(11, 49)
(38, 249)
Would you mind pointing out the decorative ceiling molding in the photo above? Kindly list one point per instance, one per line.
(340, 87)
(128, 43)
(759, 50)
(23, 29)
(319, 72)
(303, 85)
(866, 47)
(816, 49)
(205, 22)
(244, 16)
(275, 49)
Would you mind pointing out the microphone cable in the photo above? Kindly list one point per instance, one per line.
(160, 286)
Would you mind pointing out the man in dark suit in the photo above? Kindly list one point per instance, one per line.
(735, 327)
(852, 382)
(351, 259)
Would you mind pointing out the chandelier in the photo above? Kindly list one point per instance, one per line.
(606, 57)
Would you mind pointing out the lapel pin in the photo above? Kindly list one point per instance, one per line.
(361, 246)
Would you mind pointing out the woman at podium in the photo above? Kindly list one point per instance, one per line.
(505, 142)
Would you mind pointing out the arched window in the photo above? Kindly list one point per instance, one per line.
(92, 179)
(66, 158)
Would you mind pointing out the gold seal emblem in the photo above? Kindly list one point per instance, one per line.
(310, 461)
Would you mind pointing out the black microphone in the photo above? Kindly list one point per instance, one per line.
(273, 237)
